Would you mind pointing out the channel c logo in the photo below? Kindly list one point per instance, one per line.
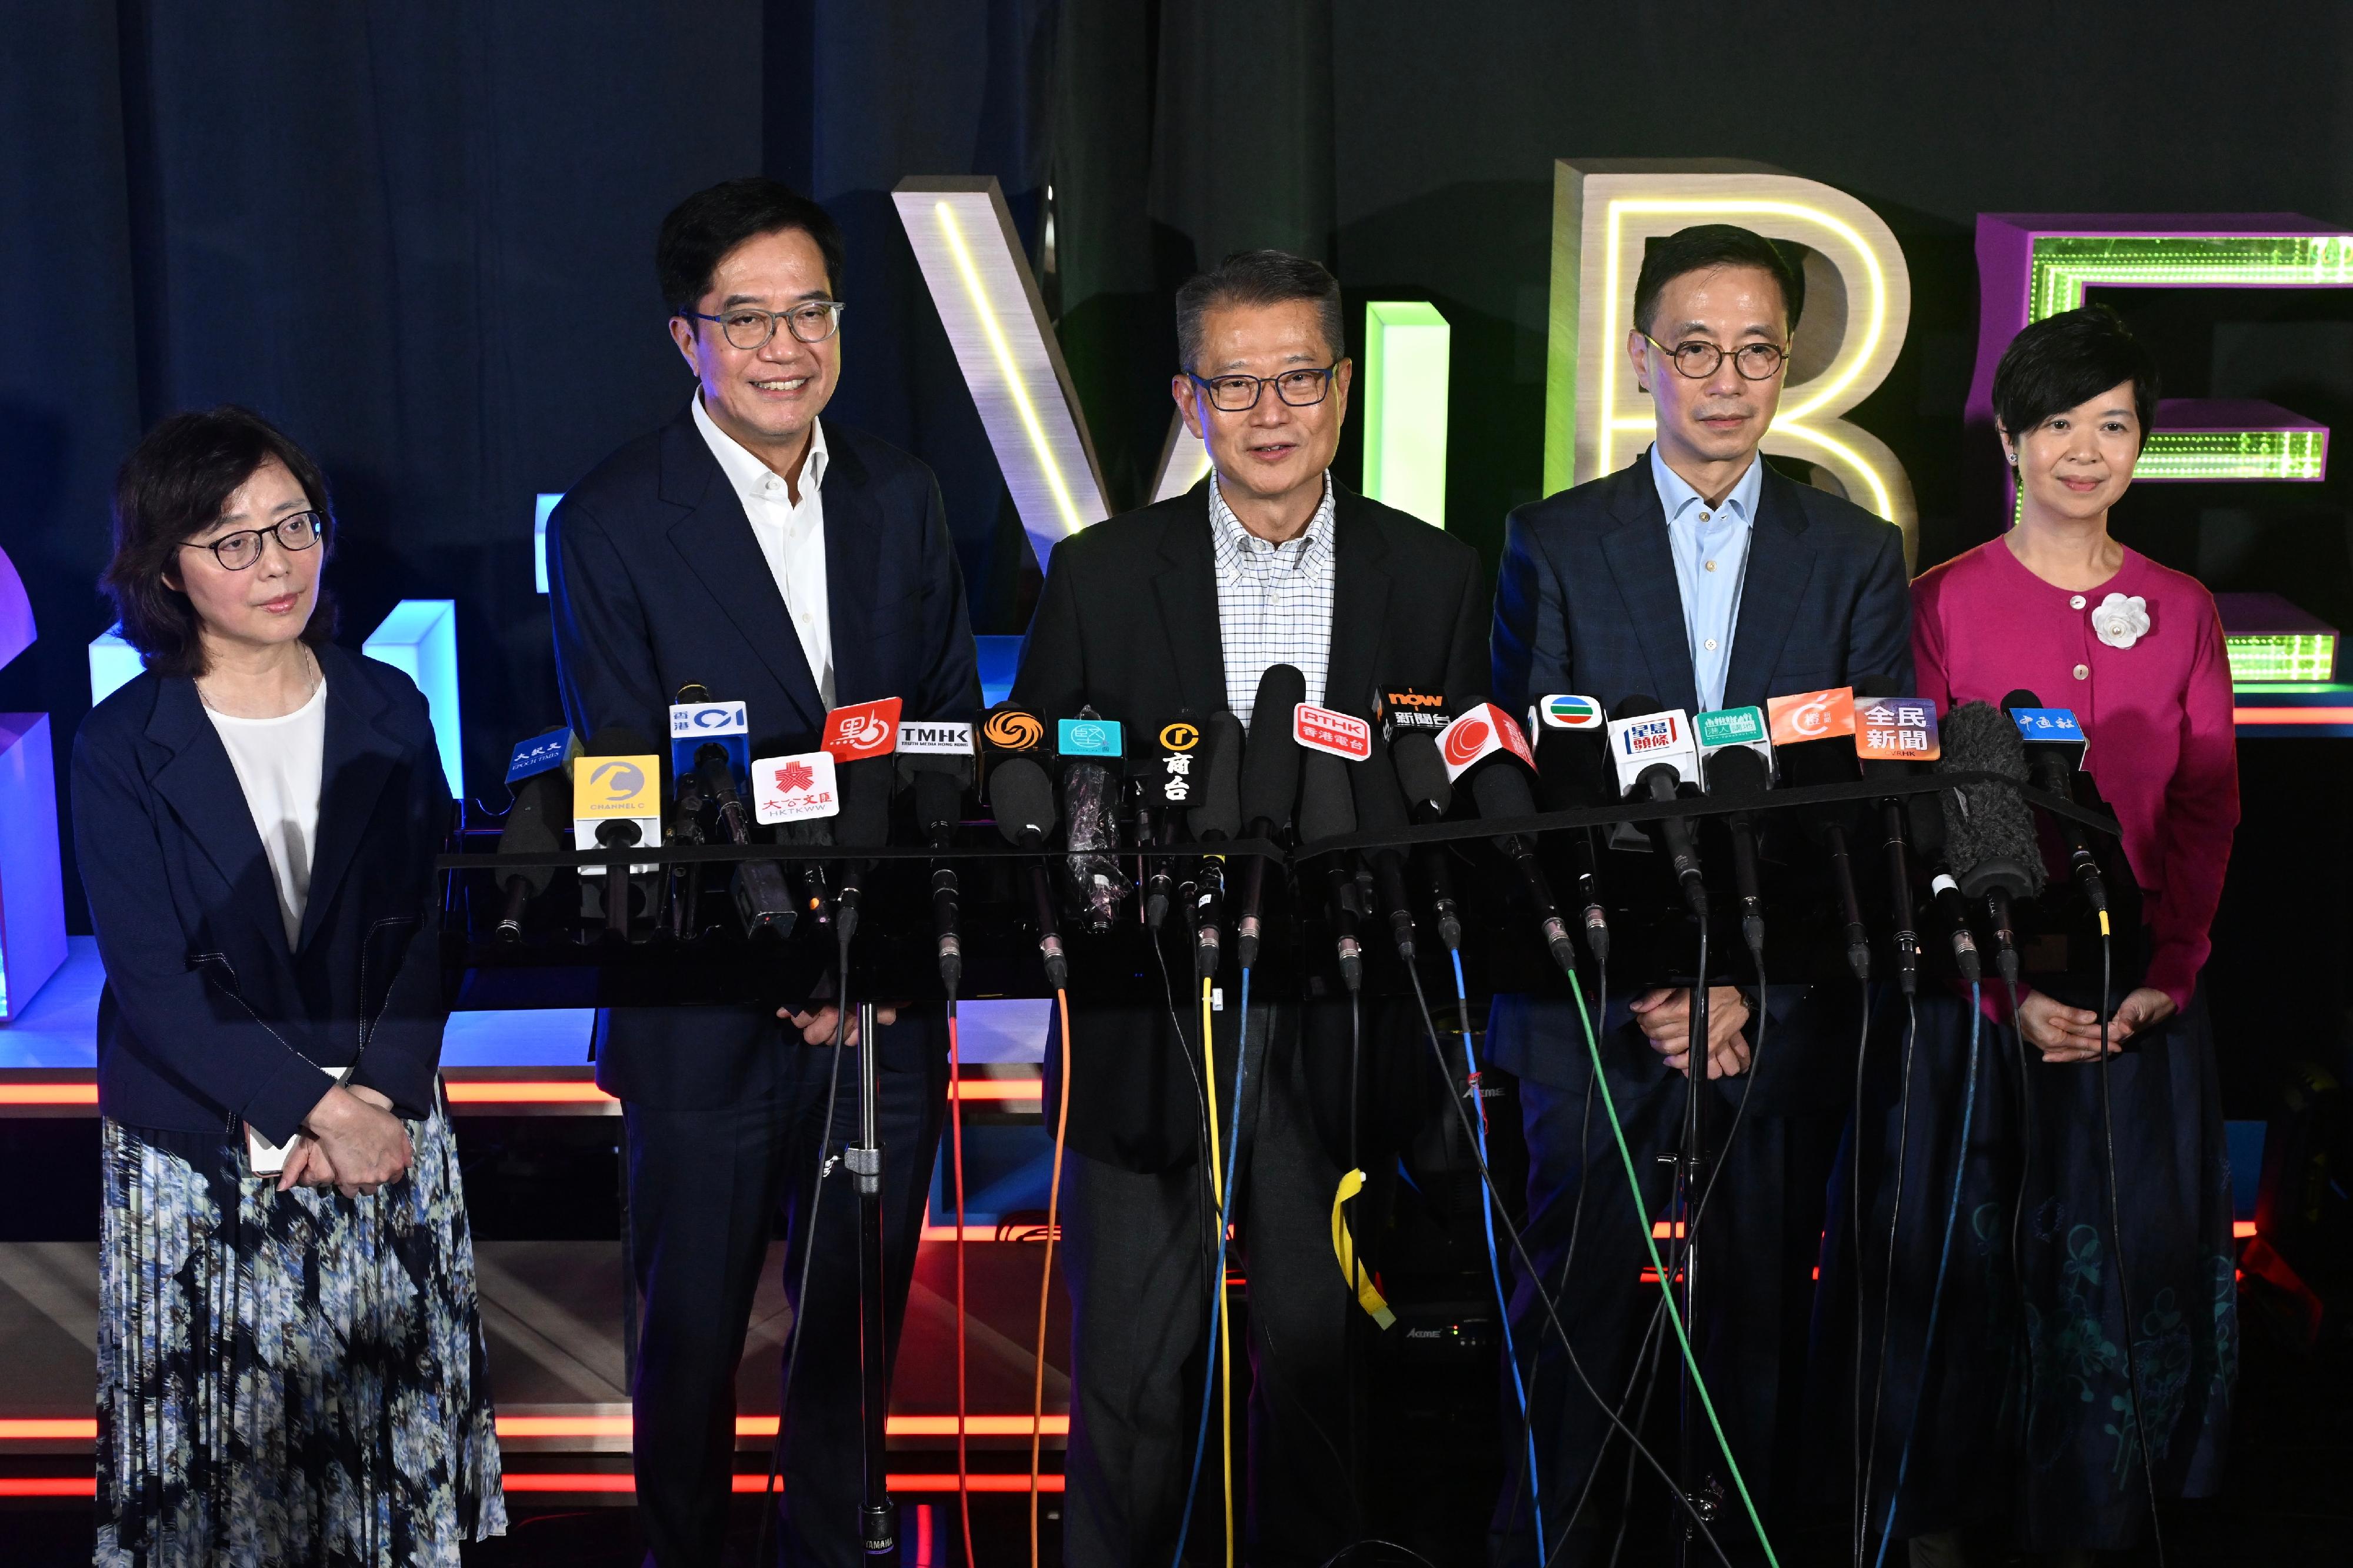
(1014, 730)
(1180, 737)
(863, 730)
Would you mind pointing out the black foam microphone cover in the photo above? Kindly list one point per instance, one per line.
(1381, 804)
(2021, 697)
(1735, 773)
(939, 799)
(1217, 813)
(956, 767)
(1021, 798)
(865, 816)
(1989, 836)
(530, 825)
(1327, 805)
(1572, 769)
(1502, 793)
(1269, 767)
(1420, 770)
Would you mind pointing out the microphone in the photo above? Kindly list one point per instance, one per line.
(1381, 808)
(1501, 792)
(1815, 750)
(1164, 779)
(616, 804)
(1089, 746)
(861, 737)
(1327, 809)
(1651, 748)
(1021, 799)
(1989, 833)
(529, 830)
(1269, 785)
(1421, 775)
(1892, 815)
(1216, 817)
(686, 827)
(936, 761)
(1571, 741)
(762, 902)
(1735, 765)
(2054, 748)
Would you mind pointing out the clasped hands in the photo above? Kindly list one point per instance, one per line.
(2064, 1033)
(350, 1142)
(1664, 1017)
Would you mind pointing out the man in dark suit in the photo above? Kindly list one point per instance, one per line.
(1701, 578)
(1184, 604)
(796, 567)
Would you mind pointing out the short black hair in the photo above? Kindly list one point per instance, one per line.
(2068, 359)
(1703, 247)
(173, 486)
(700, 230)
(1258, 277)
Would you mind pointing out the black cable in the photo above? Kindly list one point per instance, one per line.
(1376, 1544)
(2025, 1172)
(1858, 1519)
(808, 1254)
(1356, 1257)
(1887, 1279)
(1642, 1418)
(1201, 1128)
(2116, 1235)
(1543, 1297)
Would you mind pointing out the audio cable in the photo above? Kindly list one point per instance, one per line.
(1046, 1272)
(955, 1159)
(2117, 1236)
(1887, 1278)
(1217, 1363)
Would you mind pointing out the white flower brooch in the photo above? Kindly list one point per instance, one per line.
(2120, 621)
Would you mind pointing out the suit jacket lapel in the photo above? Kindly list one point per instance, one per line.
(1644, 568)
(1360, 597)
(359, 760)
(714, 537)
(1187, 588)
(853, 560)
(1780, 560)
(201, 788)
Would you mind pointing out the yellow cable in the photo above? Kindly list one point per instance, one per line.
(1046, 1275)
(1217, 1195)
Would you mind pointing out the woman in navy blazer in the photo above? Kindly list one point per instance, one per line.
(290, 1364)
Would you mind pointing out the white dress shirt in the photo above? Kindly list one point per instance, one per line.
(1274, 600)
(1710, 551)
(791, 536)
(278, 762)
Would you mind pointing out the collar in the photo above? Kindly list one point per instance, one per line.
(1676, 494)
(748, 475)
(1233, 541)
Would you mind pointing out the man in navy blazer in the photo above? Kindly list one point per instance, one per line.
(794, 566)
(1699, 577)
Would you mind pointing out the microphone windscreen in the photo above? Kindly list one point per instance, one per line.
(616, 741)
(1877, 686)
(1269, 771)
(1420, 770)
(1634, 707)
(539, 805)
(1572, 770)
(1502, 791)
(1021, 798)
(954, 766)
(1989, 837)
(2021, 697)
(1381, 804)
(1218, 814)
(718, 778)
(865, 815)
(1734, 772)
(939, 798)
(1327, 805)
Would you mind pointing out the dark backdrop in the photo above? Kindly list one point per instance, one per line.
(420, 237)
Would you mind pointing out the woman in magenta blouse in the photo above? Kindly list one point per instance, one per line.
(2021, 1436)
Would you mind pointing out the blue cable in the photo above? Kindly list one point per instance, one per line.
(1494, 1264)
(1935, 1297)
(1218, 1301)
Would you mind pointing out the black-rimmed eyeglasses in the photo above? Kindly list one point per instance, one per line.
(747, 328)
(1699, 360)
(1239, 394)
(238, 551)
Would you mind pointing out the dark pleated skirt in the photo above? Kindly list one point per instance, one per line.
(2017, 1420)
(289, 1378)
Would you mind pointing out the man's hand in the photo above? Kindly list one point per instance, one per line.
(816, 1029)
(1664, 1018)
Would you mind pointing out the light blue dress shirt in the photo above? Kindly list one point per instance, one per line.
(1710, 551)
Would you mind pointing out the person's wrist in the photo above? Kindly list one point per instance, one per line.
(332, 1110)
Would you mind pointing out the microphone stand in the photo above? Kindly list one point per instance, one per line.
(1690, 1161)
(878, 1515)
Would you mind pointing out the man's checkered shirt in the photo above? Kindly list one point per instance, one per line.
(1274, 600)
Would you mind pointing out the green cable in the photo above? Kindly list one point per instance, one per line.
(1666, 1288)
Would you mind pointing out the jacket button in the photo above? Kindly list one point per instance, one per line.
(2082, 672)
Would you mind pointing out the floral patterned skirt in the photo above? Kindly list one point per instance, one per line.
(289, 1378)
(2018, 1421)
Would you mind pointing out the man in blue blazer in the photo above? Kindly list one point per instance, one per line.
(1701, 578)
(797, 567)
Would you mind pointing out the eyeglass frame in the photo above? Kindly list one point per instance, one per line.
(833, 308)
(1674, 357)
(317, 537)
(1324, 372)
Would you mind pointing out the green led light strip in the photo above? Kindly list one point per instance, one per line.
(2064, 265)
(1407, 347)
(2280, 656)
(2234, 454)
